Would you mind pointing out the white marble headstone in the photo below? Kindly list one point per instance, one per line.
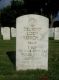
(32, 42)
(56, 37)
(2, 28)
(13, 32)
(51, 32)
(6, 33)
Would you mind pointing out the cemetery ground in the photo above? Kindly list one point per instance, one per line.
(8, 71)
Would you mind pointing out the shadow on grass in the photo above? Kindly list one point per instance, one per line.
(12, 57)
(51, 38)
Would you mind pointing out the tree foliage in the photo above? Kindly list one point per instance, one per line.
(10, 13)
(20, 7)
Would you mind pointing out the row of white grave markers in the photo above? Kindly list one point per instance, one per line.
(32, 42)
(54, 32)
(5, 32)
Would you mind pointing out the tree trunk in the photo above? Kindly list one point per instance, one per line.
(10, 32)
(52, 21)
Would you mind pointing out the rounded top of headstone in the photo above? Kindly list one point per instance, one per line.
(32, 17)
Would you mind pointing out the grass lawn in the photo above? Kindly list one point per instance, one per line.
(53, 72)
(7, 69)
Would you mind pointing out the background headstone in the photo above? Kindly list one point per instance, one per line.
(13, 32)
(56, 37)
(2, 28)
(6, 33)
(32, 42)
(51, 32)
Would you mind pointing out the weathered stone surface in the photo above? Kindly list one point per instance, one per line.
(32, 42)
(6, 33)
(13, 32)
(51, 32)
(56, 37)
